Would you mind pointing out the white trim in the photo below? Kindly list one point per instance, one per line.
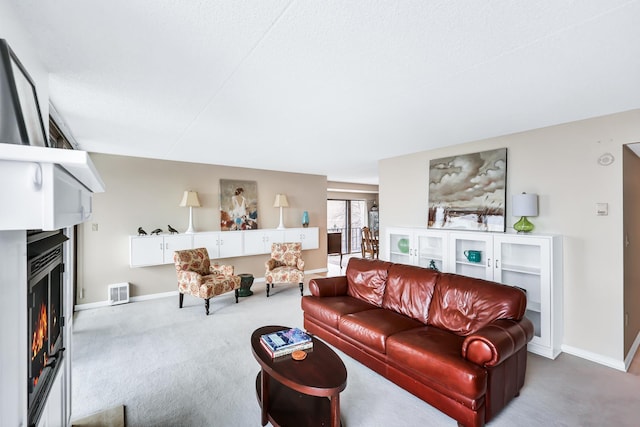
(88, 306)
(632, 352)
(91, 305)
(594, 357)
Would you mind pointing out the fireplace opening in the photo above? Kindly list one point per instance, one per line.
(45, 270)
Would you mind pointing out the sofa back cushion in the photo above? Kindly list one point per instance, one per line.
(366, 279)
(409, 290)
(463, 305)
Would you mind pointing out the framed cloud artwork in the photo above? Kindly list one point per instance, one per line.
(467, 192)
(238, 205)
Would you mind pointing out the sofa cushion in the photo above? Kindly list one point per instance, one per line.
(409, 290)
(328, 310)
(463, 305)
(366, 279)
(435, 355)
(372, 327)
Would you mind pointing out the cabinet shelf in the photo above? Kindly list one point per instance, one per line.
(521, 269)
(473, 264)
(534, 306)
(433, 256)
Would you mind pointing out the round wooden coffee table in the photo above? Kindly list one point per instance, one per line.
(299, 393)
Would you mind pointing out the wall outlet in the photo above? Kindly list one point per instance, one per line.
(94, 226)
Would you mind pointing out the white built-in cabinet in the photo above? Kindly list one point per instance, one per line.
(219, 244)
(307, 236)
(258, 242)
(158, 249)
(532, 262)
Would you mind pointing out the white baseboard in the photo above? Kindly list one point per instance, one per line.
(91, 305)
(594, 357)
(632, 352)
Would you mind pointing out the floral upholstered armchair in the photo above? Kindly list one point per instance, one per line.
(286, 265)
(197, 277)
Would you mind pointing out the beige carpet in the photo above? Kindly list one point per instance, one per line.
(173, 367)
(113, 417)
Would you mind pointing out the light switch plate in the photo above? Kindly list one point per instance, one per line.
(602, 209)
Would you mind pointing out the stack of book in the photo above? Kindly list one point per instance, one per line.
(285, 342)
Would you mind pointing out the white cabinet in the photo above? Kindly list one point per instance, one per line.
(534, 263)
(258, 242)
(529, 261)
(309, 237)
(417, 247)
(461, 248)
(156, 250)
(219, 244)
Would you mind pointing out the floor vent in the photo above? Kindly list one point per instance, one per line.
(118, 293)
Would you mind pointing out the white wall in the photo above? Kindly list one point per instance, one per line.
(559, 163)
(20, 44)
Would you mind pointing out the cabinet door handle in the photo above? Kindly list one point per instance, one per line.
(497, 263)
(166, 245)
(161, 246)
(489, 262)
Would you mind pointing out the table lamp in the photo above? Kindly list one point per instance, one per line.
(524, 205)
(190, 199)
(281, 202)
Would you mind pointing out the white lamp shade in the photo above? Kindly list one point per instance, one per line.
(190, 199)
(281, 201)
(525, 205)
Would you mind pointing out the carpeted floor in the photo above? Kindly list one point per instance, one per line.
(172, 367)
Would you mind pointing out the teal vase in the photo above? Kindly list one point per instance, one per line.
(305, 219)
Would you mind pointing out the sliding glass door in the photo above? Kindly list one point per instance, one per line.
(347, 217)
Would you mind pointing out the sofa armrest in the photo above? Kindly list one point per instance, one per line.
(497, 341)
(328, 286)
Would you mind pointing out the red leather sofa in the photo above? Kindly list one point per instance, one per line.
(458, 343)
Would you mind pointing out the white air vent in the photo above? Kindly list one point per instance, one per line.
(118, 293)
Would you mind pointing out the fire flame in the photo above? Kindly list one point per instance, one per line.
(40, 332)
(39, 338)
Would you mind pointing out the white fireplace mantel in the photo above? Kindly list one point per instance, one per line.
(48, 189)
(45, 188)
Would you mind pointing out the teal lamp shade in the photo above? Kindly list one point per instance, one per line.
(524, 205)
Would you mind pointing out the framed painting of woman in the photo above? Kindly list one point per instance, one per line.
(238, 205)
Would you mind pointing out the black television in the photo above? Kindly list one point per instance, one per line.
(20, 118)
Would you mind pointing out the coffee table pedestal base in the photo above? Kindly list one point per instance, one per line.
(287, 407)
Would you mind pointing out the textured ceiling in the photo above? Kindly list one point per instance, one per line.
(327, 87)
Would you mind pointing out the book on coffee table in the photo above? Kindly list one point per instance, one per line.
(285, 342)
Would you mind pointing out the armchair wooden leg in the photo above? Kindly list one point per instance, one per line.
(237, 292)
(267, 290)
(180, 299)
(301, 288)
(206, 306)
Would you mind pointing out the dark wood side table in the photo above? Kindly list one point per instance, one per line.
(299, 393)
(334, 245)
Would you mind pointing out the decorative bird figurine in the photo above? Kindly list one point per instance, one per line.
(157, 231)
(171, 229)
(141, 232)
